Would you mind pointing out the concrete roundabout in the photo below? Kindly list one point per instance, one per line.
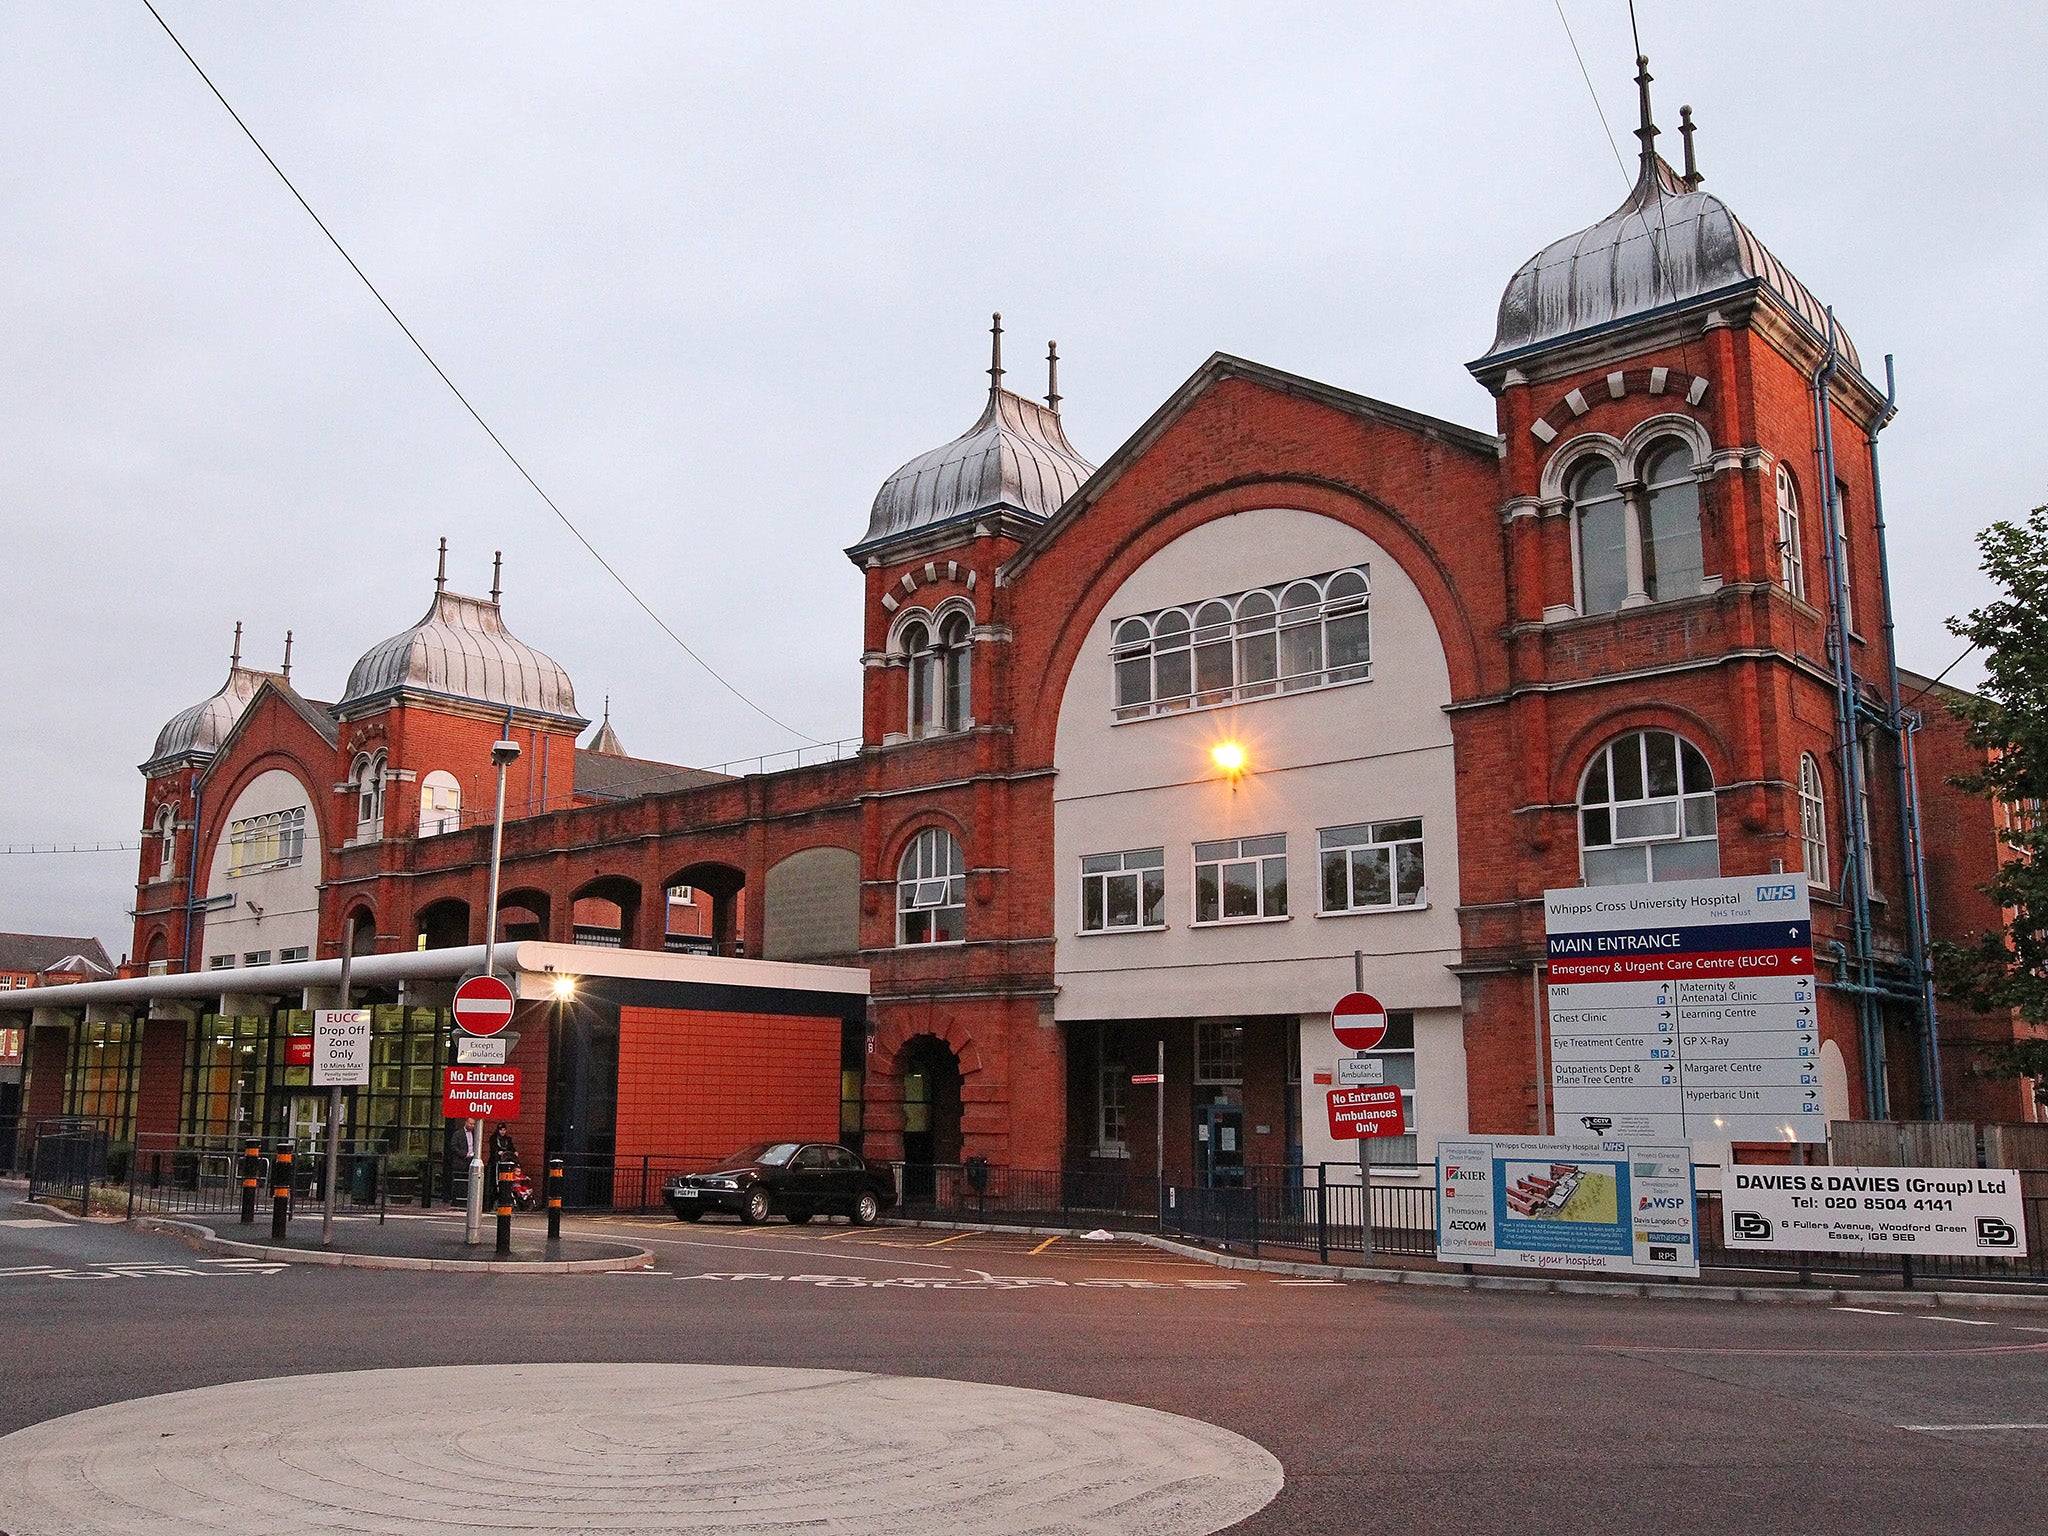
(619, 1448)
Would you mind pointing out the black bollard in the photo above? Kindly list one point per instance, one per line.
(554, 1199)
(504, 1215)
(280, 1191)
(252, 1158)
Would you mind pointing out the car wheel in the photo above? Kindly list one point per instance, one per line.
(797, 1218)
(866, 1210)
(690, 1215)
(755, 1211)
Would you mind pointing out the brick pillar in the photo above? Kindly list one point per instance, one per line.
(47, 1052)
(159, 1093)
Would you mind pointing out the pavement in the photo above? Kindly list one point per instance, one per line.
(407, 1240)
(1384, 1407)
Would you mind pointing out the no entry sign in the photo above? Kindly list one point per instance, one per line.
(481, 1093)
(1360, 1022)
(1359, 1114)
(483, 1005)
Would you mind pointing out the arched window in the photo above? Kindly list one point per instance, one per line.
(916, 642)
(369, 791)
(956, 661)
(1214, 672)
(1647, 812)
(1791, 553)
(167, 843)
(931, 890)
(1813, 821)
(1638, 541)
(1132, 654)
(440, 804)
(1600, 519)
(1258, 645)
(1673, 564)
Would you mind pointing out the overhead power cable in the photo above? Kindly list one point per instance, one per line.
(1586, 75)
(70, 847)
(477, 416)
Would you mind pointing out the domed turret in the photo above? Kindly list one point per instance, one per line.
(195, 734)
(461, 650)
(1014, 458)
(1669, 244)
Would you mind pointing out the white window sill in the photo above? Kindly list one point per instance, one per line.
(1104, 933)
(1420, 906)
(1237, 695)
(932, 944)
(1241, 922)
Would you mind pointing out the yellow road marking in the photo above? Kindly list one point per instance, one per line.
(945, 1240)
(1045, 1245)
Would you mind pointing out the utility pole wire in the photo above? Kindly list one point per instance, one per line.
(1620, 164)
(510, 457)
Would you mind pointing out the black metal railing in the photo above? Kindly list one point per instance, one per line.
(67, 1158)
(205, 1178)
(1317, 1209)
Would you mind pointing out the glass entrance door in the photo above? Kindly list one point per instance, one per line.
(1219, 1145)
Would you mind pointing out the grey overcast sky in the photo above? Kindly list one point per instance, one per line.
(715, 271)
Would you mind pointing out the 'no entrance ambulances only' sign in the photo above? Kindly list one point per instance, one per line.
(481, 1093)
(1359, 1114)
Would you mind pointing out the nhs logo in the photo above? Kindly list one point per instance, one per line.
(1777, 893)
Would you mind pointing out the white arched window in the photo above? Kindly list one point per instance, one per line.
(1791, 553)
(1637, 540)
(957, 670)
(931, 890)
(440, 804)
(368, 780)
(1647, 812)
(1813, 821)
(167, 842)
(1311, 633)
(915, 641)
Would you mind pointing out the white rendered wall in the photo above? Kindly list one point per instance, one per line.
(289, 898)
(1377, 750)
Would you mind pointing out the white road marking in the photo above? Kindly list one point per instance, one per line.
(1937, 1428)
(1308, 1282)
(1967, 1322)
(31, 1221)
(1866, 1311)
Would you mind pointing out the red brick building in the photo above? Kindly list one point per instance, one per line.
(1639, 632)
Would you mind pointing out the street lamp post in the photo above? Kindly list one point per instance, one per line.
(504, 753)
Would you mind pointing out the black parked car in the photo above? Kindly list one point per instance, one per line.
(796, 1179)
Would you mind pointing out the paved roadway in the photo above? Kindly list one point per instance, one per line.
(1389, 1408)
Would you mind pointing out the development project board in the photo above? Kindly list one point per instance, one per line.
(1685, 1010)
(1542, 1203)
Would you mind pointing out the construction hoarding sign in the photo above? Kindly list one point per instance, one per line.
(1537, 1202)
(1973, 1213)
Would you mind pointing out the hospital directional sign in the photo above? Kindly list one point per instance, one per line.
(1685, 1010)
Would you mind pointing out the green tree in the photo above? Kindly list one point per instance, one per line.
(2007, 967)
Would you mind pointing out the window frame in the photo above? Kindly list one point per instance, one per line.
(283, 832)
(1218, 649)
(915, 874)
(1813, 823)
(1603, 761)
(444, 819)
(1154, 865)
(1375, 838)
(367, 784)
(1637, 496)
(1791, 549)
(1261, 858)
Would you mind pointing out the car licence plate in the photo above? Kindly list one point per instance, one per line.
(684, 1194)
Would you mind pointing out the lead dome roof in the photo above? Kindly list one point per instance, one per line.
(199, 730)
(462, 650)
(1668, 244)
(1015, 458)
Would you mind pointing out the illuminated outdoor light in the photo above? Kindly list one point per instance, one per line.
(1229, 757)
(565, 988)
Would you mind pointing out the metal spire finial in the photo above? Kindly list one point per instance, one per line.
(607, 709)
(497, 574)
(235, 660)
(441, 570)
(1052, 377)
(287, 669)
(1647, 131)
(995, 361)
(1692, 167)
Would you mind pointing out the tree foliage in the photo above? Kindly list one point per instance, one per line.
(2007, 967)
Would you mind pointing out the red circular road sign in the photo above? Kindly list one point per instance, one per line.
(1359, 1021)
(483, 1005)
